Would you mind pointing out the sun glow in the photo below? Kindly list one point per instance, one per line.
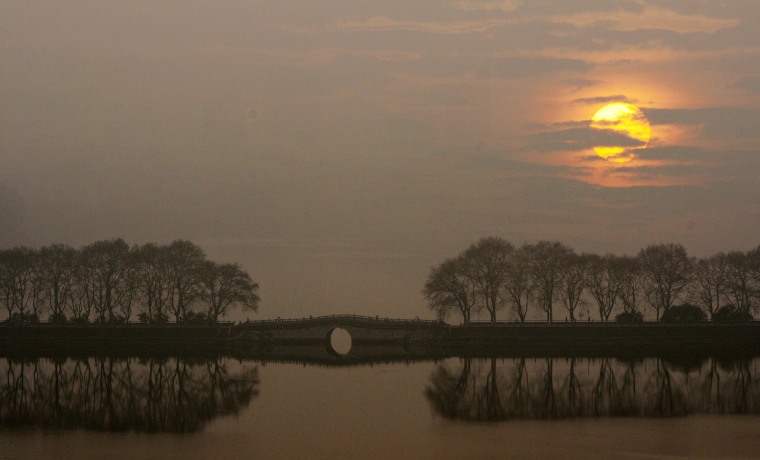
(630, 127)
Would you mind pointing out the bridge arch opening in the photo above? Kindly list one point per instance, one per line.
(338, 341)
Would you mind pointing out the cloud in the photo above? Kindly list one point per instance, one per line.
(503, 67)
(747, 82)
(649, 18)
(381, 23)
(567, 147)
(579, 138)
(558, 125)
(715, 122)
(504, 5)
(604, 100)
(654, 175)
(567, 153)
(581, 83)
(526, 66)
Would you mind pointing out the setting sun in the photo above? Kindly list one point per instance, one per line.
(626, 120)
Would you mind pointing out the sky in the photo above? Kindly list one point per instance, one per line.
(339, 149)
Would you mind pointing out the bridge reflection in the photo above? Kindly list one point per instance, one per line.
(553, 388)
(362, 354)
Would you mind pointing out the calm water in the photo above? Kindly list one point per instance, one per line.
(476, 408)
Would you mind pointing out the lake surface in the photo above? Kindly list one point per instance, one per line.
(456, 408)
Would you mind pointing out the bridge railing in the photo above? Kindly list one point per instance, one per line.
(374, 319)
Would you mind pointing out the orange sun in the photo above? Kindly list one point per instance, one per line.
(624, 119)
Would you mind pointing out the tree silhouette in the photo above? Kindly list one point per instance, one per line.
(109, 289)
(108, 279)
(19, 283)
(185, 265)
(605, 279)
(666, 272)
(710, 279)
(573, 282)
(519, 287)
(488, 260)
(449, 287)
(153, 281)
(225, 286)
(491, 274)
(741, 289)
(547, 263)
(56, 265)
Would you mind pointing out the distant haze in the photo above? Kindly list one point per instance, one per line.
(338, 149)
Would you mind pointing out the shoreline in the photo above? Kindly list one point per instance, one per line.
(498, 340)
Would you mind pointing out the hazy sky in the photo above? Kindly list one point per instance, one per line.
(338, 149)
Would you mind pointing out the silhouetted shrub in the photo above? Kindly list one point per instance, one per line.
(685, 313)
(630, 317)
(195, 317)
(729, 314)
(117, 319)
(24, 318)
(158, 318)
(58, 318)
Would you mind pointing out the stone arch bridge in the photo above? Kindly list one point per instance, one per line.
(373, 339)
(363, 329)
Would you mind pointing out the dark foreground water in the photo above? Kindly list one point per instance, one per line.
(457, 408)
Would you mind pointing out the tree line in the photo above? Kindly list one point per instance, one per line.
(492, 275)
(111, 282)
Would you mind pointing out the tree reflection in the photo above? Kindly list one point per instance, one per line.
(519, 393)
(104, 394)
(571, 390)
(501, 389)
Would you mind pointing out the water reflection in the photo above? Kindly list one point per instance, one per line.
(184, 394)
(105, 394)
(551, 388)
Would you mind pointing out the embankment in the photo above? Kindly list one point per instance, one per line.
(602, 339)
(516, 340)
(132, 339)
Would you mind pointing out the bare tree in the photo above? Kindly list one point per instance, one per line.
(106, 265)
(753, 258)
(740, 284)
(666, 272)
(185, 264)
(107, 278)
(227, 286)
(710, 282)
(630, 283)
(546, 266)
(18, 281)
(605, 279)
(83, 290)
(56, 265)
(153, 285)
(573, 282)
(449, 287)
(487, 263)
(519, 286)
